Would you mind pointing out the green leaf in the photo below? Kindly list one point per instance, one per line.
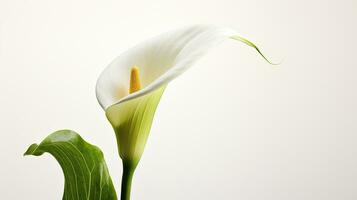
(85, 171)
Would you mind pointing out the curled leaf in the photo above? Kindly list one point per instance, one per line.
(84, 168)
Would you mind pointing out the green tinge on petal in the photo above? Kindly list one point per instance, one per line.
(132, 121)
(251, 44)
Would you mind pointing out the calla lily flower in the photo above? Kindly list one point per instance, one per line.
(130, 88)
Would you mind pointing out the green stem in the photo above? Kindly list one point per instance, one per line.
(128, 173)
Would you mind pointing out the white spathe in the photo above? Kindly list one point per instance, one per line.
(160, 60)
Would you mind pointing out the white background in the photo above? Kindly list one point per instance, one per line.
(232, 127)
